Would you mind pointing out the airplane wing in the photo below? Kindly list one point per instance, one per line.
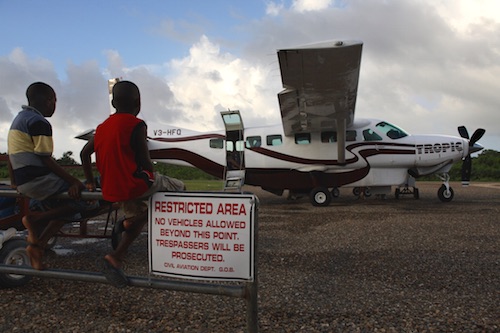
(321, 84)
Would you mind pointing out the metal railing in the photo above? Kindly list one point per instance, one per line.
(246, 290)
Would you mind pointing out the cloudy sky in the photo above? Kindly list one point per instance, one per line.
(428, 66)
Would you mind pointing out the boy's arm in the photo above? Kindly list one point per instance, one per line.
(142, 152)
(85, 156)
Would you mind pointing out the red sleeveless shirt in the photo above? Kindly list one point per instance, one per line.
(115, 158)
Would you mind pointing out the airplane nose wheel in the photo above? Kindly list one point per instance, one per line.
(320, 196)
(445, 194)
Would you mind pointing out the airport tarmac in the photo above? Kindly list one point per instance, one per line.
(358, 265)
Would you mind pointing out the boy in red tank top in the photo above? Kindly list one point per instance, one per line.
(127, 175)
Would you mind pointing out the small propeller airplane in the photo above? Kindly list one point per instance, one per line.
(319, 147)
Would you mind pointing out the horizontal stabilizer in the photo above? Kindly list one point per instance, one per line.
(86, 135)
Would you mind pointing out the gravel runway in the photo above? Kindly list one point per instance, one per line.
(359, 265)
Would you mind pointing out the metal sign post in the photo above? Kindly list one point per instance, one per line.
(207, 236)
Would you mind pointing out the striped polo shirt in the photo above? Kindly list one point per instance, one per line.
(30, 136)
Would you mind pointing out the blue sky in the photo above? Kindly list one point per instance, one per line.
(428, 66)
(143, 32)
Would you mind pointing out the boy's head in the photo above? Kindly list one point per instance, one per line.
(42, 97)
(126, 98)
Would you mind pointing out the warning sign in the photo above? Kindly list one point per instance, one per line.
(202, 235)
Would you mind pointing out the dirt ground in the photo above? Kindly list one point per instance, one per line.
(359, 265)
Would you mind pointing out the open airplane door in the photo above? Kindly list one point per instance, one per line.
(235, 150)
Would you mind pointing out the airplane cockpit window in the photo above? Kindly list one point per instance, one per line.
(303, 138)
(274, 140)
(253, 141)
(391, 131)
(328, 137)
(216, 143)
(370, 135)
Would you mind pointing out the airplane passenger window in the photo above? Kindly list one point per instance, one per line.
(303, 138)
(370, 135)
(216, 143)
(274, 140)
(328, 137)
(240, 145)
(229, 146)
(253, 141)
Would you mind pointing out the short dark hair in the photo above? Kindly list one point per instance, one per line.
(125, 95)
(39, 92)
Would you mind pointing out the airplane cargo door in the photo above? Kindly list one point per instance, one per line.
(235, 150)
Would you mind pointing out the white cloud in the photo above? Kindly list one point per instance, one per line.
(274, 8)
(310, 5)
(209, 81)
(464, 15)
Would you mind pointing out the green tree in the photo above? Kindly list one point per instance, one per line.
(485, 167)
(66, 159)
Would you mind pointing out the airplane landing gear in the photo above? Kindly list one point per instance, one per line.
(362, 192)
(320, 196)
(406, 190)
(445, 192)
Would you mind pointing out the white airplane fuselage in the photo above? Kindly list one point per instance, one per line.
(319, 146)
(374, 156)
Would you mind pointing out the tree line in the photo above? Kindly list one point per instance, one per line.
(485, 167)
(75, 169)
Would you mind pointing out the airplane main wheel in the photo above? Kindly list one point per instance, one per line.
(397, 193)
(444, 194)
(357, 191)
(335, 192)
(13, 252)
(416, 194)
(320, 196)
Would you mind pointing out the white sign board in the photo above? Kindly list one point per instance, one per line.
(202, 235)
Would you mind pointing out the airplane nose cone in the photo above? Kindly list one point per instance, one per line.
(475, 148)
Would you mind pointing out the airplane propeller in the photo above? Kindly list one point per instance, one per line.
(473, 147)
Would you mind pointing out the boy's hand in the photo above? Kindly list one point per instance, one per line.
(90, 187)
(75, 189)
(148, 176)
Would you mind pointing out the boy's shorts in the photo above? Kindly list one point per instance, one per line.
(57, 186)
(162, 183)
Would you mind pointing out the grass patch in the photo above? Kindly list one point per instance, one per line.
(204, 185)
